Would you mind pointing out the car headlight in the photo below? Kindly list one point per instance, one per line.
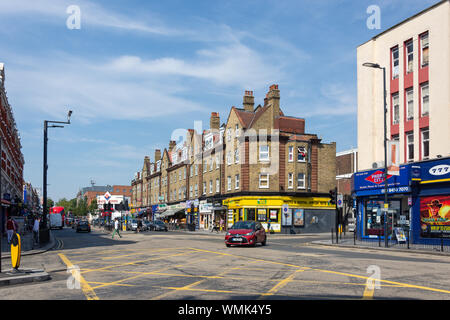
(228, 234)
(249, 234)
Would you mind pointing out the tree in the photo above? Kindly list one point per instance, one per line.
(93, 206)
(50, 203)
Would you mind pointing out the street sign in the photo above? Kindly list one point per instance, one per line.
(340, 200)
(285, 208)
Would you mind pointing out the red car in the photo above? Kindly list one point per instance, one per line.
(246, 233)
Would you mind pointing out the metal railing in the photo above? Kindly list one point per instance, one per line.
(351, 238)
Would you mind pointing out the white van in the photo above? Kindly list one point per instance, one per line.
(56, 221)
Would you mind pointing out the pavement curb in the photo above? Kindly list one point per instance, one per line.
(436, 253)
(30, 275)
(46, 248)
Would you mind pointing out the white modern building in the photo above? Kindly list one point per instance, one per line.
(416, 56)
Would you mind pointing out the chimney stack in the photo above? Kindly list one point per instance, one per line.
(249, 101)
(157, 155)
(214, 122)
(273, 100)
(172, 145)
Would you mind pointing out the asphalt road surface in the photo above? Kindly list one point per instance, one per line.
(184, 266)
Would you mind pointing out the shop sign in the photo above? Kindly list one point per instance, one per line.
(205, 207)
(435, 170)
(261, 201)
(373, 181)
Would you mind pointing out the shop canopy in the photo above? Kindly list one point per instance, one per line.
(170, 212)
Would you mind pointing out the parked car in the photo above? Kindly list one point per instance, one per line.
(83, 226)
(246, 233)
(159, 225)
(147, 225)
(133, 224)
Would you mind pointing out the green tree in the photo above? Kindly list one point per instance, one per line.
(50, 203)
(93, 206)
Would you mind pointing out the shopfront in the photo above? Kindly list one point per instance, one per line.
(283, 214)
(431, 202)
(369, 188)
(206, 214)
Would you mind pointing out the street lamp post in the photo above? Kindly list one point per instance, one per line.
(43, 232)
(386, 203)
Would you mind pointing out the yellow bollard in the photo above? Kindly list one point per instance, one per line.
(16, 251)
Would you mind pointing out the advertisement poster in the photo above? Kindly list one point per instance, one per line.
(273, 214)
(299, 217)
(286, 218)
(435, 216)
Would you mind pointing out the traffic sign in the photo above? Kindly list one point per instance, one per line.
(340, 200)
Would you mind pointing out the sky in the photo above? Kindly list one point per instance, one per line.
(134, 71)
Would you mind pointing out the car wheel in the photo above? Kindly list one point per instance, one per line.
(265, 241)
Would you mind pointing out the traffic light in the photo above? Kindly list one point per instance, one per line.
(333, 195)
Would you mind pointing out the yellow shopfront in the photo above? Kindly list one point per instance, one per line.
(282, 213)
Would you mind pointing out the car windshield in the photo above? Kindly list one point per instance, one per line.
(243, 225)
(83, 222)
(159, 222)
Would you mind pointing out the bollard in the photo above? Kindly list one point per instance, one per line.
(442, 241)
(354, 237)
(332, 236)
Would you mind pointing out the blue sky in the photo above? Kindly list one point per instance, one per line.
(137, 70)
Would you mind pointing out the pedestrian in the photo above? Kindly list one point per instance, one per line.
(221, 224)
(36, 230)
(116, 228)
(10, 229)
(139, 225)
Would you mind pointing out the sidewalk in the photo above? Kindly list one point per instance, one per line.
(374, 245)
(9, 276)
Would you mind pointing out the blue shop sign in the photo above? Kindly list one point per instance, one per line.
(372, 182)
(434, 171)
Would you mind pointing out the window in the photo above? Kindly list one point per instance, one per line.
(196, 169)
(229, 158)
(236, 155)
(196, 190)
(217, 185)
(425, 144)
(410, 104)
(179, 175)
(410, 146)
(301, 154)
(210, 186)
(395, 109)
(205, 166)
(425, 99)
(237, 130)
(236, 181)
(263, 153)
(395, 63)
(228, 183)
(192, 171)
(217, 161)
(301, 181)
(211, 166)
(409, 56)
(229, 134)
(290, 180)
(263, 181)
(204, 187)
(184, 173)
(291, 154)
(190, 192)
(424, 48)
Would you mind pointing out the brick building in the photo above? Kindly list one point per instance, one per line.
(249, 168)
(12, 160)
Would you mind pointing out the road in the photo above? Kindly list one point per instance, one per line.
(184, 266)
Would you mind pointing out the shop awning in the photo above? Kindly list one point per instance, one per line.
(170, 212)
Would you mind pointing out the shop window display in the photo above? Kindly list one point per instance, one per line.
(374, 217)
